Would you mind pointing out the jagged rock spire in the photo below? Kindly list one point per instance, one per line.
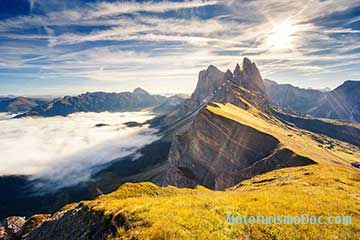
(214, 85)
(229, 75)
(208, 83)
(249, 77)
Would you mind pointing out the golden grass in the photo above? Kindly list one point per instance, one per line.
(152, 212)
(300, 141)
(330, 188)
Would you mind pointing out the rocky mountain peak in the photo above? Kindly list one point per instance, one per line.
(209, 81)
(229, 75)
(237, 69)
(247, 63)
(215, 85)
(140, 91)
(249, 77)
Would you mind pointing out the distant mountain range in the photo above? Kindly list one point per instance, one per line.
(342, 103)
(19, 104)
(101, 101)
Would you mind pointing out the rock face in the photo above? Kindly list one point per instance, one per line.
(98, 102)
(214, 85)
(209, 82)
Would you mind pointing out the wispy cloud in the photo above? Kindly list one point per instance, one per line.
(173, 40)
(113, 9)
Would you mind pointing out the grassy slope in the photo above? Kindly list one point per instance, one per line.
(152, 212)
(317, 147)
(328, 188)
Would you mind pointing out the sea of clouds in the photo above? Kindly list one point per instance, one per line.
(67, 150)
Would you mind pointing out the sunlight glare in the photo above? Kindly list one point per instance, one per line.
(281, 36)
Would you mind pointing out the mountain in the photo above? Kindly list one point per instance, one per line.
(97, 102)
(292, 98)
(225, 137)
(19, 104)
(342, 103)
(171, 104)
(237, 137)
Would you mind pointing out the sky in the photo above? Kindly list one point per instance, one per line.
(52, 47)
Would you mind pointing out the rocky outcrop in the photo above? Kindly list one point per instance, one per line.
(10, 228)
(76, 222)
(33, 223)
(90, 225)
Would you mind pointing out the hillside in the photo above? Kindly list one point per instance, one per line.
(146, 211)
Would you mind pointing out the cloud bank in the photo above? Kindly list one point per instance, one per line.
(66, 150)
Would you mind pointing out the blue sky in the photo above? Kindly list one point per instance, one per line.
(51, 47)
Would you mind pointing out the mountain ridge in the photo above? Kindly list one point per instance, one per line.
(19, 104)
(341, 103)
(136, 100)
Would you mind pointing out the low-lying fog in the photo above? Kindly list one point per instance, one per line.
(65, 150)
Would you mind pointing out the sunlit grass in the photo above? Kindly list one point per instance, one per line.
(152, 212)
(300, 141)
(329, 188)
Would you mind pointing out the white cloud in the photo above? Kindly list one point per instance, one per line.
(66, 150)
(111, 9)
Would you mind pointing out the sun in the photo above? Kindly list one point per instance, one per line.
(281, 36)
